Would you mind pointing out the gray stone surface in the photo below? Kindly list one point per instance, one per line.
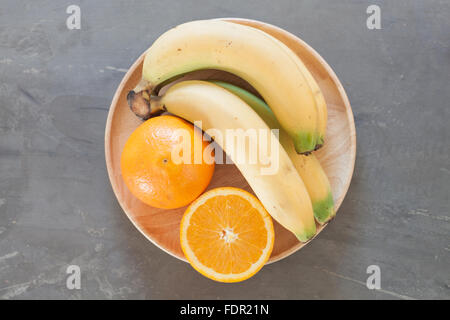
(57, 207)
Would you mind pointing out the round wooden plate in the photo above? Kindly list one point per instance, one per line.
(337, 156)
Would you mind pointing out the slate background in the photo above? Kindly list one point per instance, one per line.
(57, 207)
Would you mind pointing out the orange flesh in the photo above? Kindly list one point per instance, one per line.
(227, 234)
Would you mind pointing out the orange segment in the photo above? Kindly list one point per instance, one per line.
(227, 235)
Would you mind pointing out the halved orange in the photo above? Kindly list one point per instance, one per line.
(226, 234)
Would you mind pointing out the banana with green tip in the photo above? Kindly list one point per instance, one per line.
(308, 166)
(283, 193)
(249, 53)
(322, 112)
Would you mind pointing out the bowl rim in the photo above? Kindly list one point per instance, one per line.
(333, 77)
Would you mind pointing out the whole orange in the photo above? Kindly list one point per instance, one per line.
(153, 174)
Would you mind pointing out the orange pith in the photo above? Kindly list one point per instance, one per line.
(152, 175)
(227, 235)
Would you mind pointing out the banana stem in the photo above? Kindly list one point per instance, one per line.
(144, 105)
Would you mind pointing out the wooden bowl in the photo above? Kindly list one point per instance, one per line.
(337, 156)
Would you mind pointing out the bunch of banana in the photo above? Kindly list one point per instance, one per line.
(308, 167)
(283, 194)
(263, 61)
(300, 190)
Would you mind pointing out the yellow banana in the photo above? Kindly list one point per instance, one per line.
(249, 53)
(279, 35)
(308, 167)
(283, 193)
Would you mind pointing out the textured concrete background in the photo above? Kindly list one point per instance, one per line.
(57, 207)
